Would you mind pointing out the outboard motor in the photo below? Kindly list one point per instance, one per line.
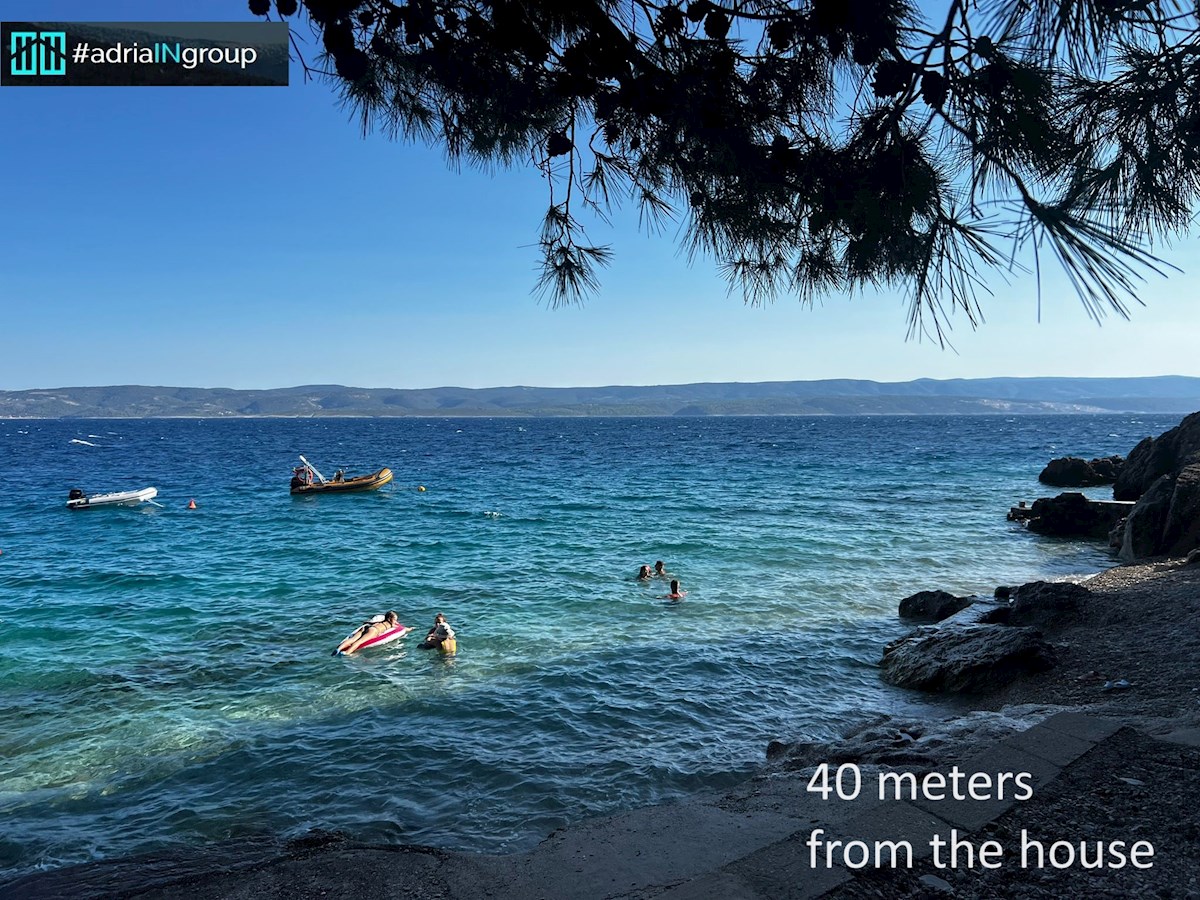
(76, 494)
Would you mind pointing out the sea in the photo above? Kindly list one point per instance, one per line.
(166, 677)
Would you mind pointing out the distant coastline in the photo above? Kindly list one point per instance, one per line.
(829, 397)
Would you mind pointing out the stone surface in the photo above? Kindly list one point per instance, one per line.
(1047, 604)
(1166, 519)
(897, 820)
(1051, 744)
(1116, 534)
(1071, 471)
(1086, 728)
(1071, 514)
(1181, 533)
(718, 884)
(981, 612)
(783, 870)
(936, 884)
(970, 814)
(1144, 526)
(932, 606)
(654, 845)
(965, 659)
(1156, 457)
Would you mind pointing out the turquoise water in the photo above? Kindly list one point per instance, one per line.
(165, 675)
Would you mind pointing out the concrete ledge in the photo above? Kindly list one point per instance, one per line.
(782, 870)
(973, 814)
(1188, 737)
(1084, 727)
(718, 884)
(896, 821)
(1050, 744)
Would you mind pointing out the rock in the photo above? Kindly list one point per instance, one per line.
(1048, 604)
(1003, 592)
(1182, 532)
(1156, 457)
(1116, 534)
(1071, 471)
(932, 606)
(1166, 519)
(936, 884)
(776, 749)
(1072, 515)
(965, 659)
(980, 612)
(1019, 513)
(997, 615)
(1144, 525)
(1108, 468)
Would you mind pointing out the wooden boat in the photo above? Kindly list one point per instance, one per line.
(307, 480)
(79, 500)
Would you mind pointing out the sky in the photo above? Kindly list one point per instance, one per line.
(254, 238)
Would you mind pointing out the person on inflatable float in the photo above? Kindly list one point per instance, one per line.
(373, 627)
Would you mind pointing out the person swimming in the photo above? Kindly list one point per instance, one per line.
(676, 593)
(439, 634)
(644, 574)
(660, 569)
(372, 628)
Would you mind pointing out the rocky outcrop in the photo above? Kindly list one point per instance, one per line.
(932, 606)
(1155, 457)
(965, 659)
(1048, 604)
(1166, 519)
(1071, 471)
(1073, 515)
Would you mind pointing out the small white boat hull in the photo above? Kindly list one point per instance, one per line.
(116, 498)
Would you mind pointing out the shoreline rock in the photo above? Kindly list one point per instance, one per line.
(965, 659)
(1071, 514)
(1165, 521)
(1153, 458)
(932, 606)
(1072, 471)
(1048, 605)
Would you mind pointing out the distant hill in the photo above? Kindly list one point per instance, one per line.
(926, 396)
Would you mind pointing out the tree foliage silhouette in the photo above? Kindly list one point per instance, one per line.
(814, 146)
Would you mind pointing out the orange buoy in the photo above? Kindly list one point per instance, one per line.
(191, 504)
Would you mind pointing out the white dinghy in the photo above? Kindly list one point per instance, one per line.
(80, 500)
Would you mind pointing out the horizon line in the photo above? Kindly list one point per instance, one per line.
(600, 386)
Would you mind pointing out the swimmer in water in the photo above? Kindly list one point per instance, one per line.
(676, 593)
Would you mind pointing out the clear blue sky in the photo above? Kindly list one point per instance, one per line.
(251, 237)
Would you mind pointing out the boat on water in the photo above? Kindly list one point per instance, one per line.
(77, 499)
(307, 480)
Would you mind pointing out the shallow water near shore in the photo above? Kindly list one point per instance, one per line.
(165, 675)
